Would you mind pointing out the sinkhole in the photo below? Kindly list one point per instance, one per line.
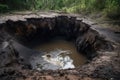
(60, 42)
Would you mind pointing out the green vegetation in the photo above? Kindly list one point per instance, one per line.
(110, 8)
(3, 8)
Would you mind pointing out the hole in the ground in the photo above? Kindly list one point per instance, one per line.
(44, 51)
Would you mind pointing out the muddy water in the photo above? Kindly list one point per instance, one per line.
(58, 54)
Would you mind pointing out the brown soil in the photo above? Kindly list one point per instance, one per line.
(105, 66)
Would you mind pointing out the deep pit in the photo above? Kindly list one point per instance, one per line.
(59, 40)
(77, 38)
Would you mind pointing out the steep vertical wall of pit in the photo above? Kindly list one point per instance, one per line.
(87, 40)
(39, 27)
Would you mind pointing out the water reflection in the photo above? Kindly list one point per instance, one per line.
(59, 58)
(57, 54)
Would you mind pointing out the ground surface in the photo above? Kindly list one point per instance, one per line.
(106, 66)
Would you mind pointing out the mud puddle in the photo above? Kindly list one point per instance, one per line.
(57, 54)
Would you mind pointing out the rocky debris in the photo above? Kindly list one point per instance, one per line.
(105, 66)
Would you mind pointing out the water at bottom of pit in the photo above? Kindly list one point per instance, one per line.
(57, 54)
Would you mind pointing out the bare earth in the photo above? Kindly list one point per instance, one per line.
(106, 66)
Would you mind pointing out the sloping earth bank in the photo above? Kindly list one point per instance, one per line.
(104, 66)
